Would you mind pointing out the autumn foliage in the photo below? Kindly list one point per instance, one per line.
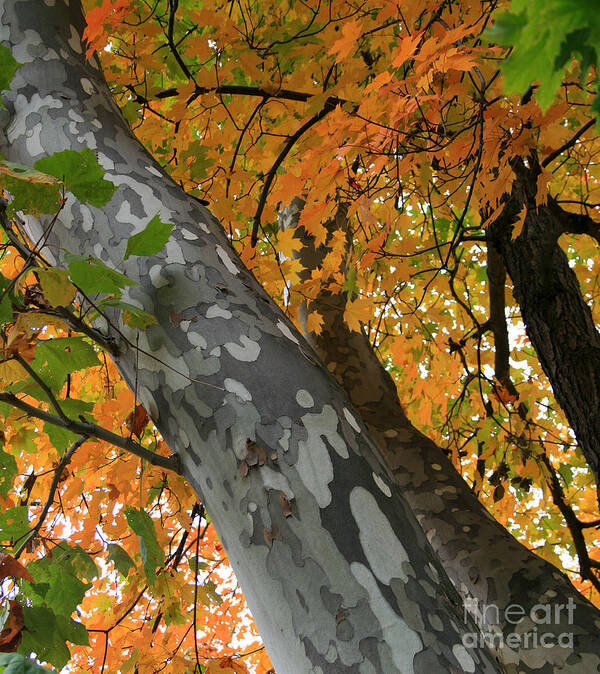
(398, 113)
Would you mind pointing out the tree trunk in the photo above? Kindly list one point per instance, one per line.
(486, 564)
(558, 321)
(344, 580)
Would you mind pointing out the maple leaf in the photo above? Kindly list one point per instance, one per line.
(288, 243)
(346, 44)
(357, 312)
(314, 322)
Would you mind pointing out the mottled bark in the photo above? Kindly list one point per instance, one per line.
(345, 583)
(558, 321)
(487, 565)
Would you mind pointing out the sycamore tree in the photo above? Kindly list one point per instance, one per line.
(371, 364)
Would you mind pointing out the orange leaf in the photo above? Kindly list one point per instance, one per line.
(346, 44)
(518, 225)
(137, 420)
(314, 322)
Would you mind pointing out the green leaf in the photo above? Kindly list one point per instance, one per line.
(30, 197)
(13, 523)
(60, 438)
(8, 472)
(121, 559)
(151, 240)
(72, 631)
(150, 551)
(8, 68)
(81, 174)
(15, 663)
(6, 313)
(57, 579)
(133, 316)
(544, 37)
(56, 358)
(43, 636)
(93, 276)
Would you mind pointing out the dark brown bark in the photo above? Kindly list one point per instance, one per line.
(558, 321)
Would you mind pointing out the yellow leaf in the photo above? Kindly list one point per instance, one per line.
(287, 243)
(314, 322)
(56, 287)
(357, 312)
(11, 371)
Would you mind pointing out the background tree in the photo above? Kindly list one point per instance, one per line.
(413, 168)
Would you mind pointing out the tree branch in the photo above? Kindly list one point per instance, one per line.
(89, 430)
(58, 471)
(553, 155)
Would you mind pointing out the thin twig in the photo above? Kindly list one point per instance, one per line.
(58, 471)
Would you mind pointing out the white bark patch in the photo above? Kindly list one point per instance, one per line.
(87, 86)
(215, 311)
(75, 41)
(75, 117)
(204, 227)
(383, 487)
(314, 464)
(124, 214)
(184, 438)
(403, 642)
(463, 657)
(326, 424)
(156, 278)
(189, 236)
(236, 387)
(247, 352)
(33, 142)
(304, 399)
(216, 352)
(106, 162)
(315, 469)
(87, 219)
(154, 171)
(174, 253)
(197, 340)
(380, 544)
(286, 332)
(276, 481)
(351, 420)
(227, 261)
(284, 440)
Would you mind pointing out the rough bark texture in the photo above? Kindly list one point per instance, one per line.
(348, 582)
(487, 565)
(558, 321)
